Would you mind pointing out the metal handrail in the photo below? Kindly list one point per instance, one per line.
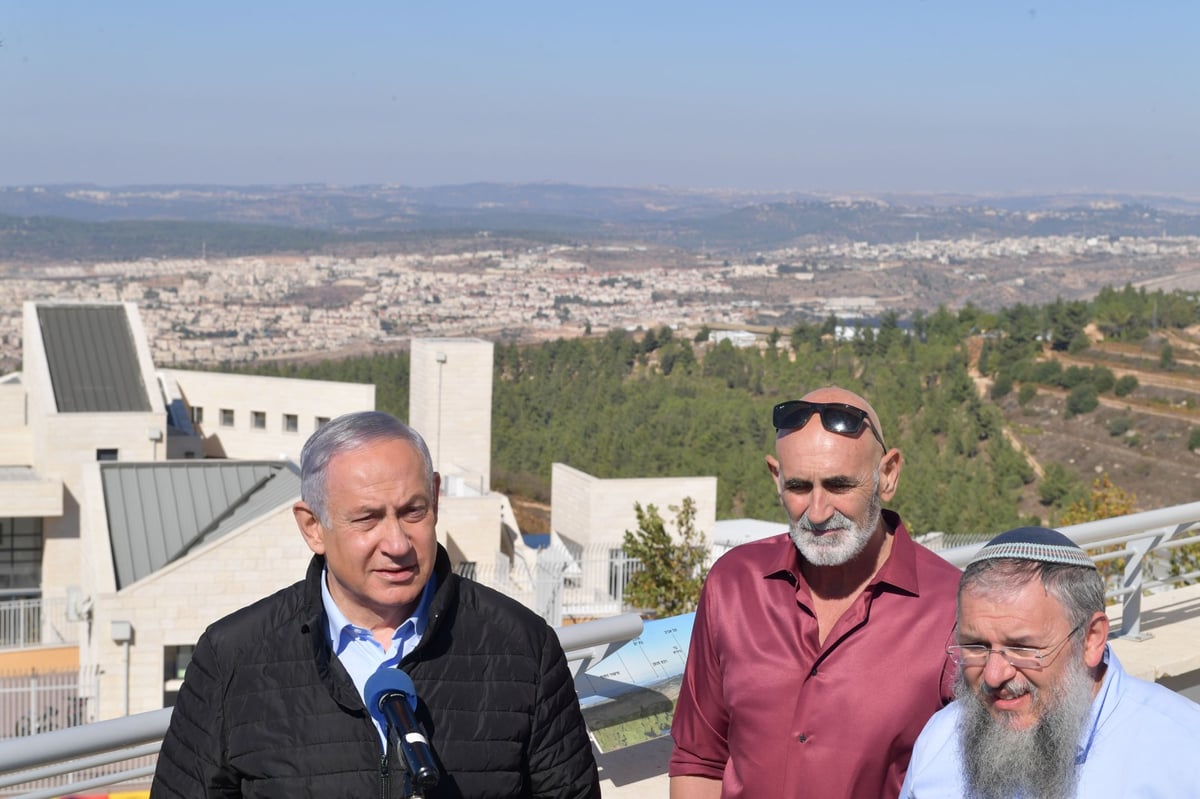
(52, 754)
(1142, 533)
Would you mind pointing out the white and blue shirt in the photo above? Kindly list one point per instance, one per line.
(1142, 741)
(362, 655)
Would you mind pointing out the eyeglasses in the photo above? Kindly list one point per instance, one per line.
(1021, 657)
(836, 417)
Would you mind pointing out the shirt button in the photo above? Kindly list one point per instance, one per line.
(813, 673)
(802, 738)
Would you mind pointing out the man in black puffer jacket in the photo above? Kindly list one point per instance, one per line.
(272, 705)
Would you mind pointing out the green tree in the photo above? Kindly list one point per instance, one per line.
(1103, 379)
(1082, 399)
(1058, 485)
(1002, 386)
(1125, 385)
(1166, 357)
(1066, 321)
(672, 569)
(1079, 343)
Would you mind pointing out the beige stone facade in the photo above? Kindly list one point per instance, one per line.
(173, 606)
(591, 511)
(450, 404)
(248, 417)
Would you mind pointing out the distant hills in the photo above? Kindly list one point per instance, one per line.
(81, 222)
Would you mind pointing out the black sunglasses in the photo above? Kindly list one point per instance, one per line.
(836, 417)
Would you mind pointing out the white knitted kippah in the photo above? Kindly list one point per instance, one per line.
(1035, 543)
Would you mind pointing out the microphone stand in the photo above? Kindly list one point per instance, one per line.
(411, 789)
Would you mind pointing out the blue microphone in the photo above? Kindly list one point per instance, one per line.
(393, 692)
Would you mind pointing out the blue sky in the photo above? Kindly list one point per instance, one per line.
(974, 96)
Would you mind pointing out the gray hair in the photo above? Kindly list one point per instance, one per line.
(343, 434)
(1080, 590)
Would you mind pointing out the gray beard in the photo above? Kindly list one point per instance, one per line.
(822, 548)
(1000, 762)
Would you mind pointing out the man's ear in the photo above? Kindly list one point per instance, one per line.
(310, 527)
(1095, 637)
(889, 474)
(773, 467)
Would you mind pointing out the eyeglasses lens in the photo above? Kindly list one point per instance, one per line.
(838, 420)
(835, 419)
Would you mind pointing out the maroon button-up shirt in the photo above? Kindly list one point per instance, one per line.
(773, 713)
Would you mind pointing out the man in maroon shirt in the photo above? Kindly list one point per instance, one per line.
(817, 655)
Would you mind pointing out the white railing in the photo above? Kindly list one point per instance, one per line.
(558, 585)
(33, 702)
(124, 750)
(1143, 539)
(31, 620)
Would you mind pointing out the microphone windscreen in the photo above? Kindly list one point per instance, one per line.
(389, 681)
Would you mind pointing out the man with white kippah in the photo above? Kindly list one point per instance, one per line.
(1044, 709)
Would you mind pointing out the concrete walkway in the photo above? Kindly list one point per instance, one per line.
(636, 772)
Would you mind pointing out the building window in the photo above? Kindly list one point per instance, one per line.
(321, 421)
(258, 420)
(175, 663)
(20, 553)
(291, 423)
(197, 414)
(227, 417)
(106, 454)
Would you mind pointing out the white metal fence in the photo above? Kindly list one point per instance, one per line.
(559, 584)
(33, 702)
(1141, 543)
(32, 620)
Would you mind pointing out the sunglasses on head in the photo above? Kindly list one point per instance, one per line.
(836, 417)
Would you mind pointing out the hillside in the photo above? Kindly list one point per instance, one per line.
(1139, 441)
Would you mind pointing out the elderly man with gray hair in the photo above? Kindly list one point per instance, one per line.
(1044, 709)
(278, 699)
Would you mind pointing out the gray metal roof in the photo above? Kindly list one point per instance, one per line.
(92, 359)
(158, 512)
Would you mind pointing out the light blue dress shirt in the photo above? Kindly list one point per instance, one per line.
(1142, 741)
(362, 655)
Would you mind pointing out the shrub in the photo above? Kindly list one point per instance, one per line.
(1079, 343)
(1119, 425)
(1103, 378)
(1075, 376)
(1082, 399)
(1125, 385)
